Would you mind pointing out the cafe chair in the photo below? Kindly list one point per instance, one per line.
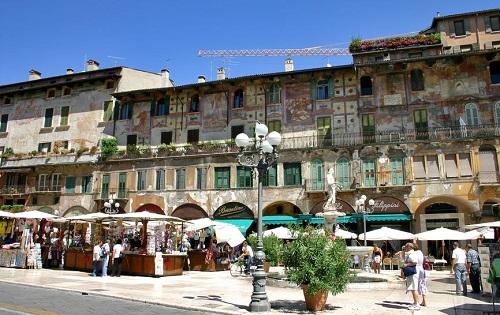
(387, 262)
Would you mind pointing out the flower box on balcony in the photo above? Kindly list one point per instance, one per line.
(358, 46)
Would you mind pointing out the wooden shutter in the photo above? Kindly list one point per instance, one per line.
(467, 26)
(451, 28)
(70, 184)
(331, 87)
(418, 167)
(153, 109)
(487, 24)
(369, 173)
(432, 166)
(130, 111)
(314, 90)
(116, 110)
(487, 166)
(342, 173)
(451, 165)
(317, 175)
(497, 113)
(397, 177)
(465, 168)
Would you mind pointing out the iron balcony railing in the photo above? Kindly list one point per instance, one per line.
(15, 189)
(371, 179)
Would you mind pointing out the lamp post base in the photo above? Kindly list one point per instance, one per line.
(260, 302)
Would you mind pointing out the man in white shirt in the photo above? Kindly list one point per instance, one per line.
(105, 251)
(96, 257)
(411, 280)
(248, 256)
(459, 268)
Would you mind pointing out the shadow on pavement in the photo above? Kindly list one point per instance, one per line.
(471, 309)
(296, 306)
(215, 298)
(394, 304)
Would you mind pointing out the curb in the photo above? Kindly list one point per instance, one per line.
(103, 294)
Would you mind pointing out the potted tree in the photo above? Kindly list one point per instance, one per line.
(273, 248)
(319, 265)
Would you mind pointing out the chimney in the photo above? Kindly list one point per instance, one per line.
(201, 79)
(70, 71)
(92, 65)
(165, 78)
(288, 65)
(34, 75)
(221, 74)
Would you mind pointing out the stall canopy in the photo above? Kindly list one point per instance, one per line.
(89, 217)
(441, 234)
(278, 219)
(5, 214)
(386, 234)
(242, 224)
(35, 214)
(225, 232)
(479, 225)
(145, 215)
(485, 232)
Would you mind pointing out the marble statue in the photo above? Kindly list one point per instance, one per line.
(332, 187)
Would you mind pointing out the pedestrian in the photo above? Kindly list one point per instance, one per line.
(117, 259)
(474, 268)
(459, 268)
(410, 273)
(105, 251)
(96, 257)
(377, 256)
(421, 275)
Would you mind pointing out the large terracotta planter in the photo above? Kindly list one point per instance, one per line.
(315, 302)
(267, 266)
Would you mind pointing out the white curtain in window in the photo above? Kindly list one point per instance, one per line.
(418, 167)
(432, 166)
(465, 168)
(451, 165)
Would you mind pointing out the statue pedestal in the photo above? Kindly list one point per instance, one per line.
(330, 214)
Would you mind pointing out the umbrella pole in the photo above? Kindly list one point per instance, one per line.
(69, 231)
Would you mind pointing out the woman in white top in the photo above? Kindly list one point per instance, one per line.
(117, 259)
(422, 276)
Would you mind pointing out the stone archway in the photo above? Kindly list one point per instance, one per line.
(281, 208)
(74, 211)
(150, 207)
(189, 211)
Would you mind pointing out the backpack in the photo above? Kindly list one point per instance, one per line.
(426, 265)
(103, 253)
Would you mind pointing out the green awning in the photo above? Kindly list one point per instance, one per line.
(279, 220)
(242, 224)
(342, 220)
(388, 217)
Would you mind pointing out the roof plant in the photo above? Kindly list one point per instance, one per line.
(357, 45)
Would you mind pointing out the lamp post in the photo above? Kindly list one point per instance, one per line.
(259, 154)
(360, 208)
(111, 207)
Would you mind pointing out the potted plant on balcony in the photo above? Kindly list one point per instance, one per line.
(319, 265)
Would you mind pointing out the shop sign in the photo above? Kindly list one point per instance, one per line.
(233, 210)
(342, 206)
(386, 204)
(112, 210)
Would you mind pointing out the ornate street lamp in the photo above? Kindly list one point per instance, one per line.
(259, 154)
(360, 208)
(110, 207)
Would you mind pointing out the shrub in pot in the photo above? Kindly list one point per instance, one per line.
(273, 248)
(318, 264)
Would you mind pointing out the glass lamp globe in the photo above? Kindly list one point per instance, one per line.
(111, 201)
(363, 197)
(274, 138)
(371, 202)
(117, 205)
(242, 140)
(260, 130)
(267, 147)
(107, 204)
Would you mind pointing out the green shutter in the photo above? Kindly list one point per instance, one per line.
(153, 109)
(105, 187)
(331, 87)
(317, 175)
(314, 90)
(108, 111)
(369, 173)
(342, 173)
(397, 171)
(451, 28)
(130, 111)
(167, 104)
(122, 184)
(70, 184)
(497, 111)
(116, 111)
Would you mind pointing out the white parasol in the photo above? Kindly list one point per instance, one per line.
(225, 232)
(344, 234)
(386, 234)
(145, 215)
(89, 217)
(487, 233)
(441, 234)
(5, 214)
(488, 224)
(35, 214)
(281, 233)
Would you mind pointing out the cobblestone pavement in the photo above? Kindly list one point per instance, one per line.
(218, 292)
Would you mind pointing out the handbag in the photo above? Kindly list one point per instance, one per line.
(409, 270)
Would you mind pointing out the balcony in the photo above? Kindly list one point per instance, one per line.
(16, 190)
(50, 188)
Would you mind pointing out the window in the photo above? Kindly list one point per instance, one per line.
(494, 23)
(244, 177)
(122, 185)
(417, 80)
(160, 179)
(49, 113)
(201, 178)
(459, 27)
(292, 174)
(465, 48)
(195, 104)
(110, 84)
(56, 182)
(180, 178)
(317, 175)
(274, 94)
(87, 184)
(160, 107)
(166, 137)
(471, 115)
(44, 147)
(418, 167)
(108, 111)
(432, 166)
(368, 128)
(368, 173)
(66, 91)
(397, 171)
(271, 178)
(193, 136)
(342, 173)
(324, 128)
(488, 208)
(497, 113)
(51, 93)
(322, 90)
(3, 122)
(236, 130)
(43, 183)
(70, 184)
(222, 177)
(125, 111)
(366, 85)
(141, 180)
(451, 166)
(465, 167)
(64, 116)
(495, 72)
(10, 180)
(488, 166)
(274, 125)
(131, 140)
(7, 101)
(238, 99)
(105, 187)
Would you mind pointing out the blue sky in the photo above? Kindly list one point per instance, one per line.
(51, 36)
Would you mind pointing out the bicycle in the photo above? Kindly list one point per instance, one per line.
(237, 268)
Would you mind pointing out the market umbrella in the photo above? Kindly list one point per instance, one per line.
(225, 232)
(5, 214)
(386, 234)
(35, 214)
(488, 224)
(441, 234)
(344, 234)
(145, 215)
(199, 224)
(487, 233)
(89, 217)
(281, 233)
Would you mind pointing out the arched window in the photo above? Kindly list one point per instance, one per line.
(495, 72)
(195, 104)
(342, 173)
(274, 94)
(497, 113)
(238, 99)
(471, 115)
(317, 175)
(366, 85)
(417, 80)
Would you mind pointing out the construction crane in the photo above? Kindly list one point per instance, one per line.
(288, 52)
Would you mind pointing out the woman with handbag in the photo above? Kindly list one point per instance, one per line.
(410, 273)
